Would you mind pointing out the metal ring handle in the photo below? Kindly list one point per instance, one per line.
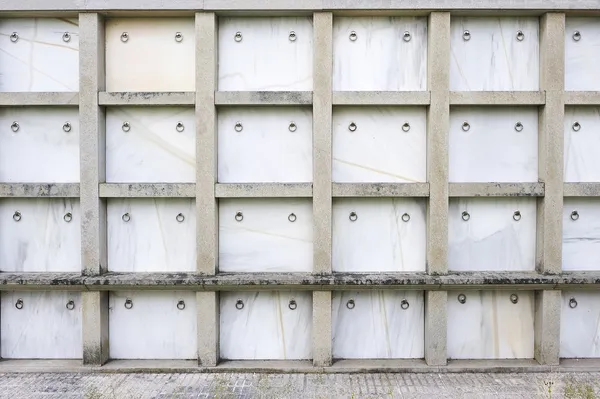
(293, 305)
(465, 216)
(66, 37)
(574, 215)
(572, 303)
(238, 37)
(577, 36)
(128, 303)
(462, 298)
(466, 126)
(19, 304)
(239, 304)
(239, 216)
(178, 37)
(180, 218)
(519, 127)
(292, 127)
(406, 36)
(520, 35)
(180, 127)
(124, 37)
(126, 127)
(70, 305)
(181, 304)
(352, 127)
(350, 304)
(576, 126)
(126, 217)
(292, 36)
(353, 216)
(14, 37)
(67, 127)
(466, 36)
(514, 298)
(517, 216)
(404, 304)
(353, 36)
(239, 127)
(68, 217)
(405, 217)
(406, 127)
(17, 216)
(15, 126)
(292, 217)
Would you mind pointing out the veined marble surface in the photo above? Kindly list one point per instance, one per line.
(39, 140)
(493, 59)
(266, 150)
(44, 328)
(265, 240)
(583, 146)
(492, 150)
(153, 240)
(153, 150)
(265, 327)
(40, 60)
(582, 57)
(489, 326)
(42, 240)
(491, 239)
(581, 237)
(151, 59)
(379, 240)
(378, 327)
(380, 59)
(580, 324)
(265, 59)
(378, 150)
(154, 327)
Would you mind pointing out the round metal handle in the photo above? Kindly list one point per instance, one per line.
(353, 36)
(71, 305)
(519, 127)
(404, 304)
(181, 304)
(517, 216)
(17, 216)
(576, 35)
(128, 303)
(405, 217)
(14, 37)
(239, 304)
(466, 36)
(292, 217)
(520, 35)
(574, 215)
(406, 127)
(239, 216)
(350, 304)
(126, 127)
(514, 298)
(576, 126)
(406, 36)
(238, 36)
(67, 127)
(178, 37)
(292, 305)
(15, 126)
(465, 216)
(124, 37)
(466, 126)
(126, 217)
(462, 298)
(239, 127)
(292, 36)
(353, 216)
(180, 127)
(352, 127)
(66, 37)
(180, 218)
(292, 127)
(19, 304)
(68, 217)
(572, 303)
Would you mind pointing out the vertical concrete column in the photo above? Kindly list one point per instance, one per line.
(322, 133)
(207, 229)
(92, 167)
(438, 117)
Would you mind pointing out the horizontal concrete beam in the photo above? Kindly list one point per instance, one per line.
(581, 190)
(146, 98)
(380, 190)
(496, 98)
(40, 98)
(381, 98)
(496, 189)
(263, 190)
(36, 190)
(147, 190)
(263, 97)
(581, 97)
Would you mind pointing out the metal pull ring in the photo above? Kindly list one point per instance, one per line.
(68, 217)
(124, 37)
(517, 216)
(126, 217)
(181, 304)
(66, 37)
(574, 215)
(126, 127)
(237, 37)
(70, 305)
(514, 298)
(353, 36)
(292, 217)
(67, 127)
(17, 216)
(466, 126)
(19, 304)
(180, 218)
(404, 304)
(292, 127)
(576, 127)
(572, 303)
(519, 127)
(465, 216)
(520, 35)
(15, 126)
(466, 36)
(350, 304)
(180, 127)
(406, 36)
(292, 305)
(239, 127)
(462, 298)
(178, 37)
(576, 36)
(353, 216)
(14, 37)
(352, 127)
(406, 127)
(239, 216)
(239, 304)
(128, 303)
(405, 217)
(292, 36)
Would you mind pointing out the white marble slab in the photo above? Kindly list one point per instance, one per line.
(582, 147)
(379, 59)
(266, 326)
(264, 58)
(43, 240)
(273, 145)
(43, 328)
(491, 238)
(581, 234)
(153, 150)
(378, 327)
(154, 327)
(265, 240)
(580, 324)
(151, 59)
(492, 150)
(379, 240)
(493, 59)
(490, 326)
(39, 60)
(376, 148)
(153, 240)
(40, 139)
(581, 56)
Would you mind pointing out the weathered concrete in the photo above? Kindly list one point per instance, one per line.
(547, 327)
(381, 98)
(263, 97)
(147, 99)
(147, 190)
(95, 327)
(207, 305)
(581, 189)
(38, 98)
(322, 329)
(581, 98)
(497, 98)
(263, 190)
(33, 190)
(496, 189)
(380, 189)
(436, 321)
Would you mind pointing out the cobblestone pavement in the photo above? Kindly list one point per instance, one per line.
(100, 386)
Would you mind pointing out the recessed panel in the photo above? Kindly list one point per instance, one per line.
(150, 54)
(379, 235)
(579, 334)
(151, 235)
(494, 54)
(265, 145)
(582, 144)
(265, 235)
(266, 325)
(379, 144)
(582, 38)
(380, 54)
(581, 234)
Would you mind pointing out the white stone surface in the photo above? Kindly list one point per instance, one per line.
(44, 328)
(379, 240)
(378, 327)
(583, 146)
(581, 237)
(580, 325)
(265, 240)
(153, 150)
(494, 59)
(39, 140)
(153, 240)
(266, 327)
(154, 327)
(582, 57)
(489, 326)
(491, 239)
(42, 240)
(40, 60)
(378, 150)
(380, 59)
(265, 150)
(492, 150)
(151, 59)
(265, 59)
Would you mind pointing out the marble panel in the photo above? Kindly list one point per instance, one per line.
(265, 235)
(158, 145)
(493, 58)
(47, 325)
(151, 58)
(497, 144)
(378, 324)
(274, 325)
(580, 324)
(490, 326)
(388, 235)
(581, 53)
(373, 53)
(45, 136)
(44, 56)
(156, 326)
(265, 54)
(40, 235)
(493, 237)
(582, 144)
(151, 235)
(373, 145)
(581, 234)
(265, 145)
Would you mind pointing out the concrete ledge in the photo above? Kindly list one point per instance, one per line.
(36, 190)
(381, 98)
(497, 98)
(496, 189)
(581, 98)
(147, 190)
(263, 190)
(581, 190)
(380, 190)
(147, 98)
(38, 98)
(263, 97)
